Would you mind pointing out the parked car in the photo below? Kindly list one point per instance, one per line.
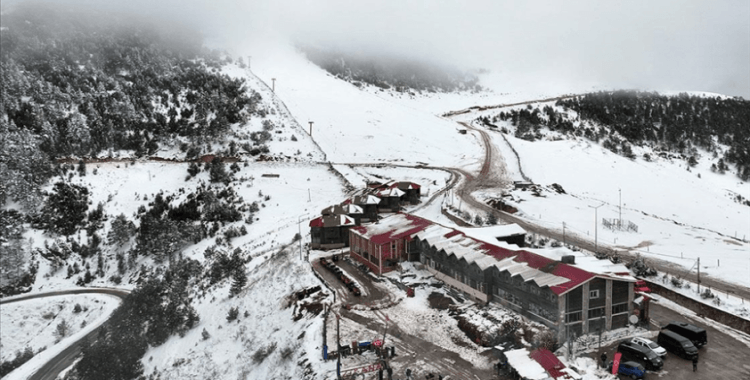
(629, 368)
(659, 350)
(640, 354)
(696, 334)
(677, 344)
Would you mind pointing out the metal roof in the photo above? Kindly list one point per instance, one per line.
(342, 209)
(333, 221)
(559, 277)
(550, 363)
(392, 228)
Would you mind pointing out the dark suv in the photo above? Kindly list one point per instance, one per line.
(696, 334)
(643, 355)
(678, 344)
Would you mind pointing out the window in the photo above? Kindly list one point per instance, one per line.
(620, 308)
(393, 247)
(596, 313)
(593, 294)
(573, 317)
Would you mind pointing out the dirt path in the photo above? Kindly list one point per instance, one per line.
(485, 108)
(413, 351)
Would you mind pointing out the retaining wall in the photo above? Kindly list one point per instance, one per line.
(701, 308)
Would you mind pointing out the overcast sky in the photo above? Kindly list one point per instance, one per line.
(660, 45)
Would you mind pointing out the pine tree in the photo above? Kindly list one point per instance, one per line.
(491, 218)
(239, 280)
(122, 231)
(218, 172)
(65, 209)
(233, 313)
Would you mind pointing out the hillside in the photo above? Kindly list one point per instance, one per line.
(669, 125)
(83, 84)
(104, 123)
(685, 200)
(135, 158)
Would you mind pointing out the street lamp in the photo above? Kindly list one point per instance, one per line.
(596, 228)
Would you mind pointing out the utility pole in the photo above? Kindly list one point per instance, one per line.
(620, 191)
(311, 123)
(248, 61)
(596, 227)
(563, 233)
(699, 275)
(338, 350)
(273, 84)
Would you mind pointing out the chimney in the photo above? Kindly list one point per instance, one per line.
(568, 259)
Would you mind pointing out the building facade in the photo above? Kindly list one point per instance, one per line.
(564, 296)
(572, 298)
(382, 245)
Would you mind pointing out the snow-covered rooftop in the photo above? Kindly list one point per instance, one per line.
(333, 221)
(342, 209)
(527, 367)
(394, 227)
(492, 233)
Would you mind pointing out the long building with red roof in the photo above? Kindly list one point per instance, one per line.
(572, 298)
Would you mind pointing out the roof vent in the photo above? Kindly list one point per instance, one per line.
(568, 259)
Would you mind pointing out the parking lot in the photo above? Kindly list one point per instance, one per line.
(724, 357)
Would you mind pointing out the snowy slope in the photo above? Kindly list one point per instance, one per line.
(681, 215)
(352, 125)
(33, 324)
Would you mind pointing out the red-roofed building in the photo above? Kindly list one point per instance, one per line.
(550, 363)
(411, 191)
(384, 244)
(330, 231)
(571, 299)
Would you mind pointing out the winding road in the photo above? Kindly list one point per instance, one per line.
(489, 177)
(68, 356)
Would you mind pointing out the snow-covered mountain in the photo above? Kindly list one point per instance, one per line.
(286, 171)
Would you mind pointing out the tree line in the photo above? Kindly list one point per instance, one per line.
(620, 120)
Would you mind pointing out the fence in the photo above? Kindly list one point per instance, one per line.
(619, 225)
